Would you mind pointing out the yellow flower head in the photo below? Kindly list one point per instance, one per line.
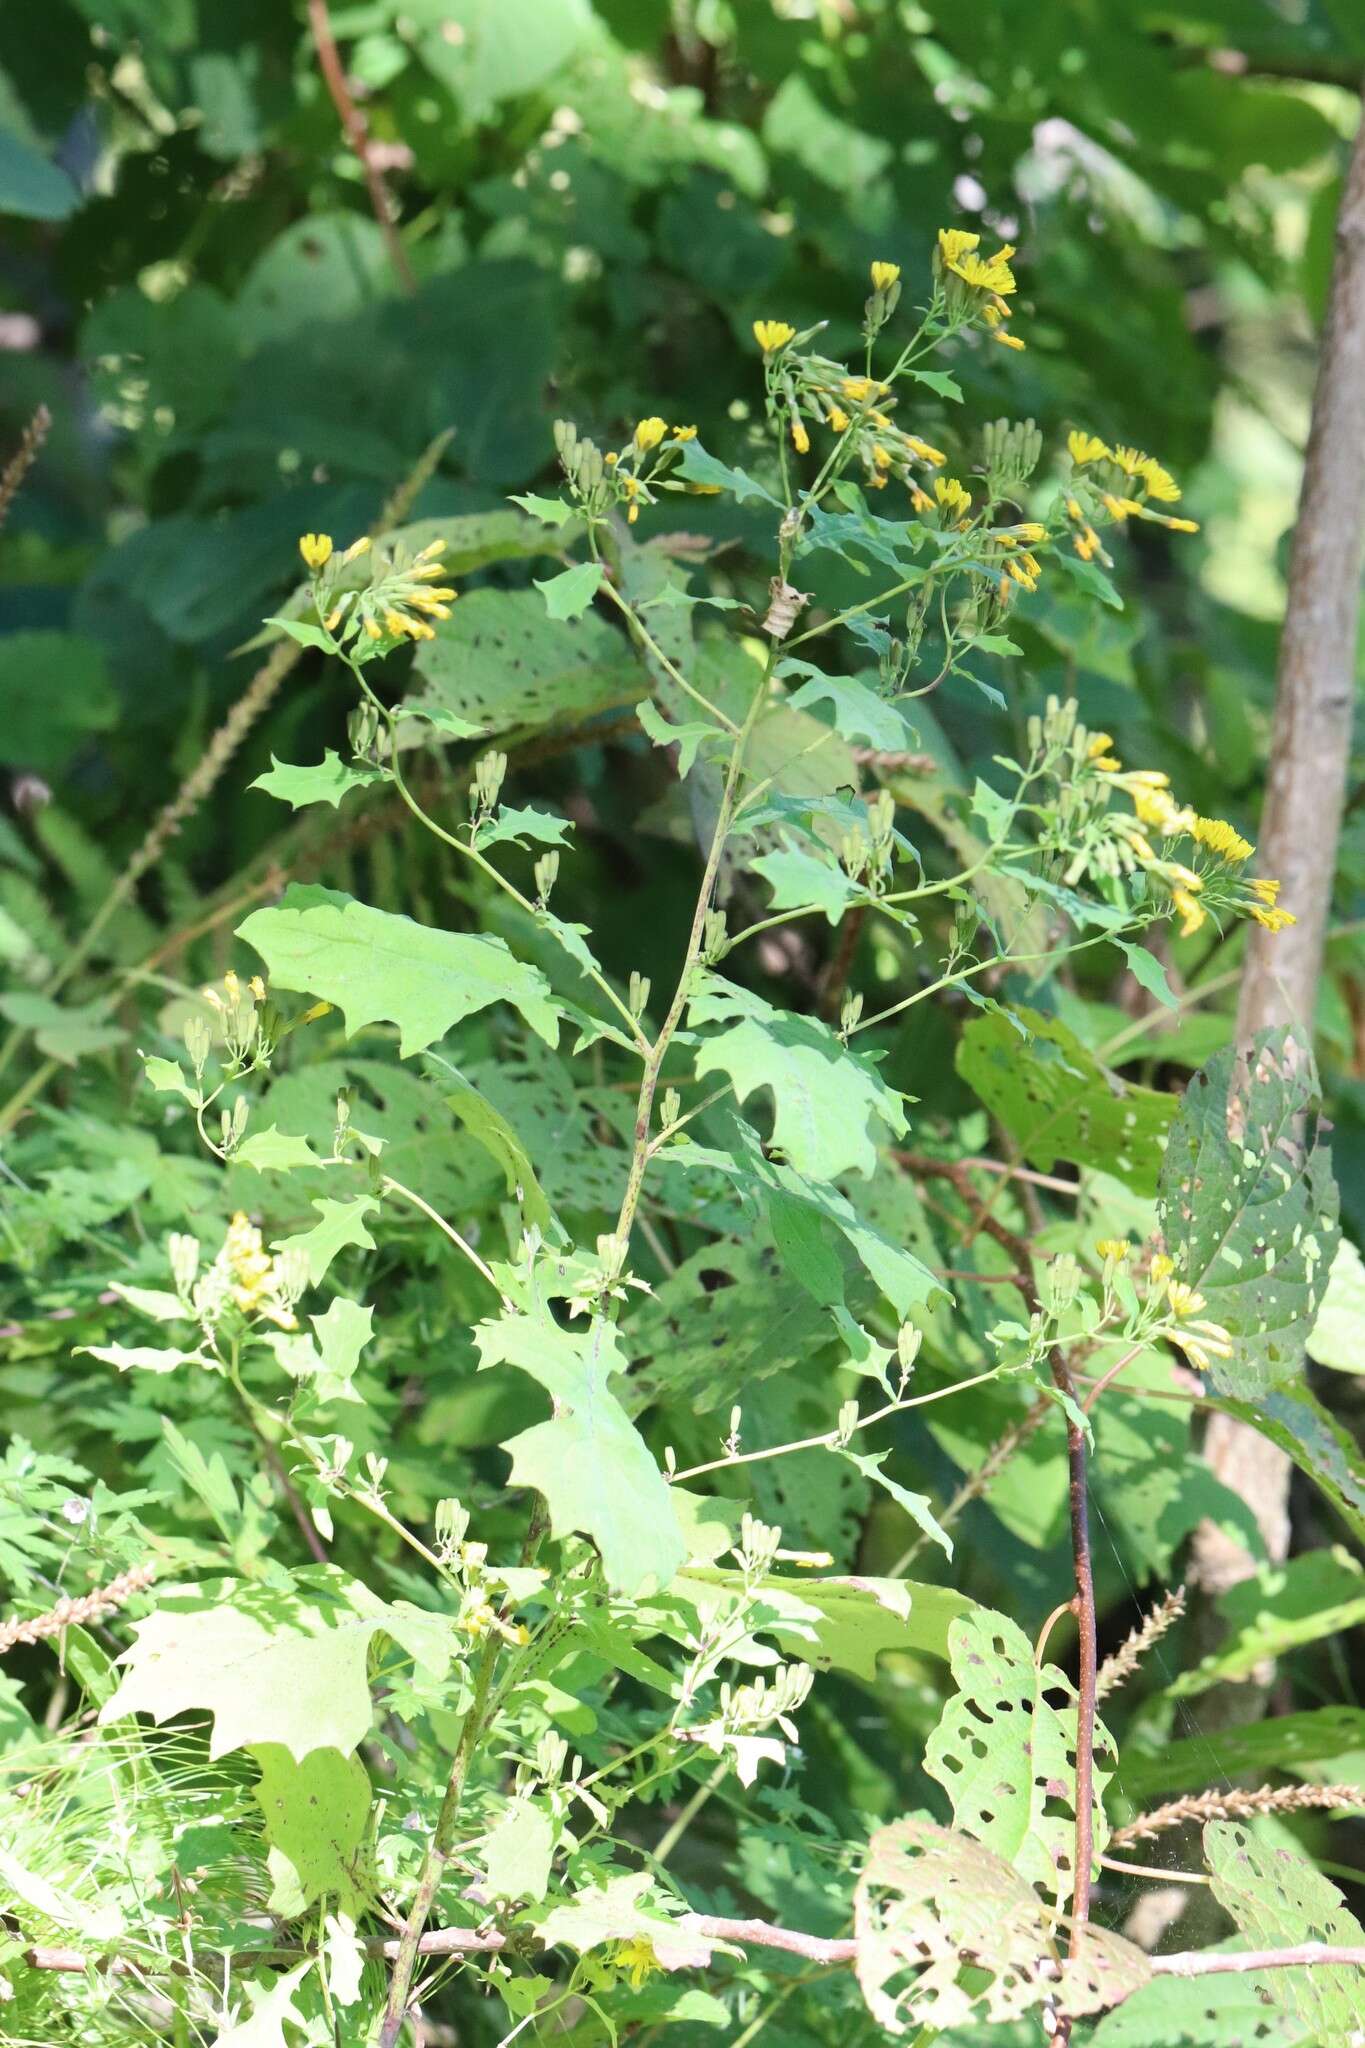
(838, 419)
(1031, 530)
(986, 274)
(1191, 911)
(1265, 890)
(1184, 1300)
(884, 275)
(684, 433)
(1212, 1341)
(1099, 743)
(1160, 483)
(1006, 339)
(1113, 1248)
(1222, 838)
(772, 335)
(357, 548)
(316, 549)
(925, 451)
(1084, 448)
(649, 433)
(1273, 920)
(954, 244)
(859, 388)
(636, 1960)
(1163, 1265)
(954, 497)
(800, 438)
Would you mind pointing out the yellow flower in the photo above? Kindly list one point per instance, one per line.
(925, 451)
(884, 275)
(859, 388)
(1099, 743)
(986, 274)
(955, 243)
(881, 456)
(636, 1960)
(1108, 764)
(1113, 1247)
(1084, 448)
(357, 548)
(1007, 340)
(649, 433)
(684, 433)
(954, 497)
(1192, 912)
(1163, 1265)
(838, 419)
(1222, 838)
(1266, 890)
(316, 549)
(1160, 483)
(1024, 570)
(1212, 1341)
(1184, 1300)
(772, 335)
(920, 500)
(257, 987)
(800, 438)
(1158, 807)
(1273, 920)
(1182, 525)
(1031, 530)
(373, 630)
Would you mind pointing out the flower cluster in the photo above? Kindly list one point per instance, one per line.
(628, 475)
(248, 1028)
(1122, 483)
(976, 287)
(815, 391)
(246, 1277)
(398, 603)
(1201, 1340)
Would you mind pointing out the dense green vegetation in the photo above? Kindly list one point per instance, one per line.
(638, 644)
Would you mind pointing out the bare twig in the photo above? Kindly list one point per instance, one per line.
(357, 133)
(1129, 1655)
(1236, 1805)
(1210, 1963)
(92, 1606)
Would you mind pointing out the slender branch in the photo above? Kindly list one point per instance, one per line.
(1211, 1963)
(830, 1437)
(357, 133)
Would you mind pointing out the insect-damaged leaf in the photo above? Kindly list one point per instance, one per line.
(1248, 1206)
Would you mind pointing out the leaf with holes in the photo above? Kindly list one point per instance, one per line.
(931, 1900)
(1005, 1752)
(502, 662)
(588, 1460)
(316, 1811)
(377, 967)
(1279, 1900)
(829, 1104)
(1057, 1101)
(1217, 2012)
(1248, 1207)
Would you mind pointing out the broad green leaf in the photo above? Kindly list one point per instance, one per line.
(1288, 1742)
(1279, 1900)
(916, 1505)
(614, 1911)
(550, 511)
(830, 1105)
(502, 662)
(31, 186)
(1292, 1418)
(522, 827)
(1057, 1101)
(930, 1899)
(1228, 2012)
(340, 1224)
(700, 468)
(1248, 1207)
(304, 634)
(687, 737)
(262, 2026)
(797, 878)
(486, 1123)
(568, 595)
(503, 50)
(343, 1331)
(156, 1302)
(316, 1811)
(61, 1033)
(142, 1357)
(841, 1624)
(1005, 1753)
(1338, 1336)
(588, 1460)
(1321, 1594)
(60, 692)
(1146, 969)
(379, 967)
(324, 782)
(275, 1151)
(860, 714)
(518, 1851)
(271, 1663)
(701, 1341)
(168, 1078)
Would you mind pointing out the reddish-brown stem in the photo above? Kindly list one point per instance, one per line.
(357, 133)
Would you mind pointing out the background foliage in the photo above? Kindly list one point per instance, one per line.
(596, 201)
